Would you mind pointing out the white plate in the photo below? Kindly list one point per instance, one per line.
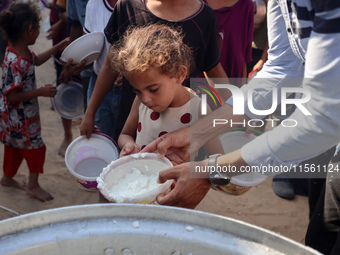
(69, 100)
(87, 47)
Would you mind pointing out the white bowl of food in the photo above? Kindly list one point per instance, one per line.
(133, 179)
(87, 47)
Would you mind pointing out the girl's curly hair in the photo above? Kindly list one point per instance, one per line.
(155, 45)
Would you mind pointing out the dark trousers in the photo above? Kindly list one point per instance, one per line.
(323, 230)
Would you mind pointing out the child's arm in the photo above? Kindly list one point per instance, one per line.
(17, 95)
(43, 57)
(126, 140)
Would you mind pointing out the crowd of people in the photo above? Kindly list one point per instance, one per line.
(140, 91)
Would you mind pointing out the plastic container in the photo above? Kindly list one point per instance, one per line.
(239, 184)
(86, 159)
(69, 100)
(148, 164)
(87, 47)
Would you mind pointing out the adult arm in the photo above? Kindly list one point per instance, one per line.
(104, 83)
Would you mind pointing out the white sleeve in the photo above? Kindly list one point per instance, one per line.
(316, 133)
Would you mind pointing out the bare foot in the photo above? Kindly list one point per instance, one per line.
(63, 147)
(39, 193)
(10, 182)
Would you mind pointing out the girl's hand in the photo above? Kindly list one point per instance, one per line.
(48, 91)
(129, 148)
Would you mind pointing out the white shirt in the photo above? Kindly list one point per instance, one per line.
(98, 13)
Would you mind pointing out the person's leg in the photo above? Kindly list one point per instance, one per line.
(68, 136)
(107, 114)
(317, 236)
(316, 184)
(127, 97)
(287, 185)
(85, 79)
(35, 159)
(92, 83)
(336, 247)
(324, 226)
(283, 187)
(12, 162)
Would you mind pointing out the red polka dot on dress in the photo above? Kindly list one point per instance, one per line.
(186, 118)
(154, 116)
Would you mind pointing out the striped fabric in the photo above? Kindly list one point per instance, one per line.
(305, 16)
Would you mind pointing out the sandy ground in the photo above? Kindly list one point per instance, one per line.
(260, 206)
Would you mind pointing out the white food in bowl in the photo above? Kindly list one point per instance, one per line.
(133, 184)
(134, 180)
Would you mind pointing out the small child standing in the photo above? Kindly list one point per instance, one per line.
(156, 61)
(20, 130)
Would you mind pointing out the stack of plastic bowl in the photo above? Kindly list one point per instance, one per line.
(86, 159)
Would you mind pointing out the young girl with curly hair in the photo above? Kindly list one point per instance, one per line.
(156, 61)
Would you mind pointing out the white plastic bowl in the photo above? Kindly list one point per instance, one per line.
(86, 158)
(239, 184)
(147, 163)
(87, 47)
(69, 100)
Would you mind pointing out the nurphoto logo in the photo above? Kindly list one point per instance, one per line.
(239, 99)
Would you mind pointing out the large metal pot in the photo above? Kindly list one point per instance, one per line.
(137, 229)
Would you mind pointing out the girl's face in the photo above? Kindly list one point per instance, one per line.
(33, 34)
(156, 90)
